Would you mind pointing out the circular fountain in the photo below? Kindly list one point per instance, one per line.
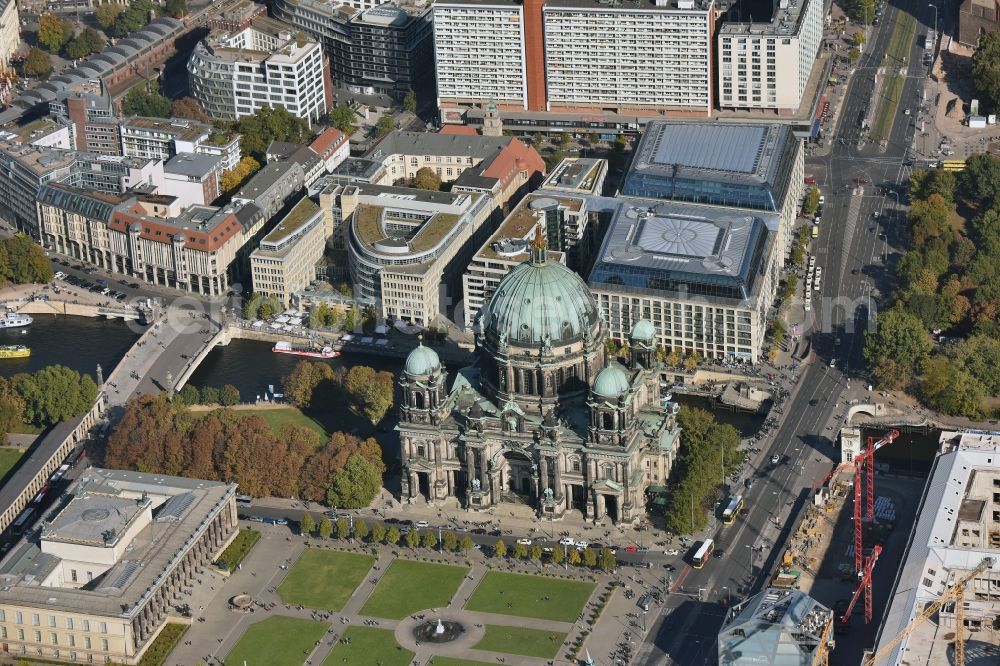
(438, 631)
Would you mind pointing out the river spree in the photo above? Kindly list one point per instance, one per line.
(251, 366)
(76, 342)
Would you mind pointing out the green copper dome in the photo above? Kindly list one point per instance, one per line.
(612, 381)
(422, 361)
(643, 330)
(540, 303)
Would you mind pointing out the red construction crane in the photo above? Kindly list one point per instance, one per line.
(864, 466)
(864, 584)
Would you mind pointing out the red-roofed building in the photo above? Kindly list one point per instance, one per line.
(501, 166)
(332, 146)
(465, 130)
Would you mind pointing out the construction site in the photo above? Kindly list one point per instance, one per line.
(861, 529)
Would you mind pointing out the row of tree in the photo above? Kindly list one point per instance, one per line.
(51, 395)
(235, 178)
(948, 284)
(314, 383)
(709, 448)
(227, 396)
(162, 436)
(377, 533)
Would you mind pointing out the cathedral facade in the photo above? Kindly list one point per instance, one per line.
(544, 416)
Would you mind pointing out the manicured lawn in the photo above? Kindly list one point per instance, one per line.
(408, 587)
(277, 641)
(525, 595)
(279, 417)
(165, 641)
(238, 549)
(451, 661)
(368, 647)
(8, 458)
(518, 640)
(324, 579)
(902, 39)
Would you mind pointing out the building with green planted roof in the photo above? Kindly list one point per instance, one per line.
(544, 415)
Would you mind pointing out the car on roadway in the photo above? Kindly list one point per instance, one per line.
(524, 541)
(748, 483)
(566, 541)
(906, 112)
(421, 523)
(255, 519)
(580, 545)
(860, 181)
(775, 458)
(133, 285)
(669, 567)
(810, 180)
(631, 549)
(719, 553)
(833, 363)
(672, 552)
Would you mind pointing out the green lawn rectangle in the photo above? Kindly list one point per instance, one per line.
(408, 587)
(525, 595)
(8, 458)
(368, 645)
(277, 641)
(522, 641)
(324, 579)
(279, 417)
(901, 41)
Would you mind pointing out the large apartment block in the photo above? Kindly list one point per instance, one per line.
(767, 65)
(572, 56)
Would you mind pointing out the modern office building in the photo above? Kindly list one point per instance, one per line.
(407, 248)
(503, 167)
(267, 64)
(766, 65)
(747, 166)
(285, 261)
(163, 138)
(192, 178)
(97, 579)
(149, 237)
(775, 626)
(90, 109)
(544, 416)
(564, 222)
(384, 49)
(958, 527)
(574, 56)
(704, 276)
(582, 176)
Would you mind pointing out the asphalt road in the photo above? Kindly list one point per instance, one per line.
(857, 184)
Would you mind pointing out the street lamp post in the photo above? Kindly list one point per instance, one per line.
(726, 588)
(934, 7)
(440, 544)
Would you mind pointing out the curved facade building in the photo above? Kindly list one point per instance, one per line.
(263, 65)
(404, 244)
(543, 416)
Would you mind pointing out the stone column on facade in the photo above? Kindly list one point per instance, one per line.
(544, 472)
(600, 511)
(558, 462)
(414, 486)
(483, 480)
(470, 466)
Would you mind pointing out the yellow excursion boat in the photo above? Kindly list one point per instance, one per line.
(14, 351)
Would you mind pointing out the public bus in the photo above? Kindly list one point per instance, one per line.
(22, 522)
(953, 165)
(732, 511)
(703, 554)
